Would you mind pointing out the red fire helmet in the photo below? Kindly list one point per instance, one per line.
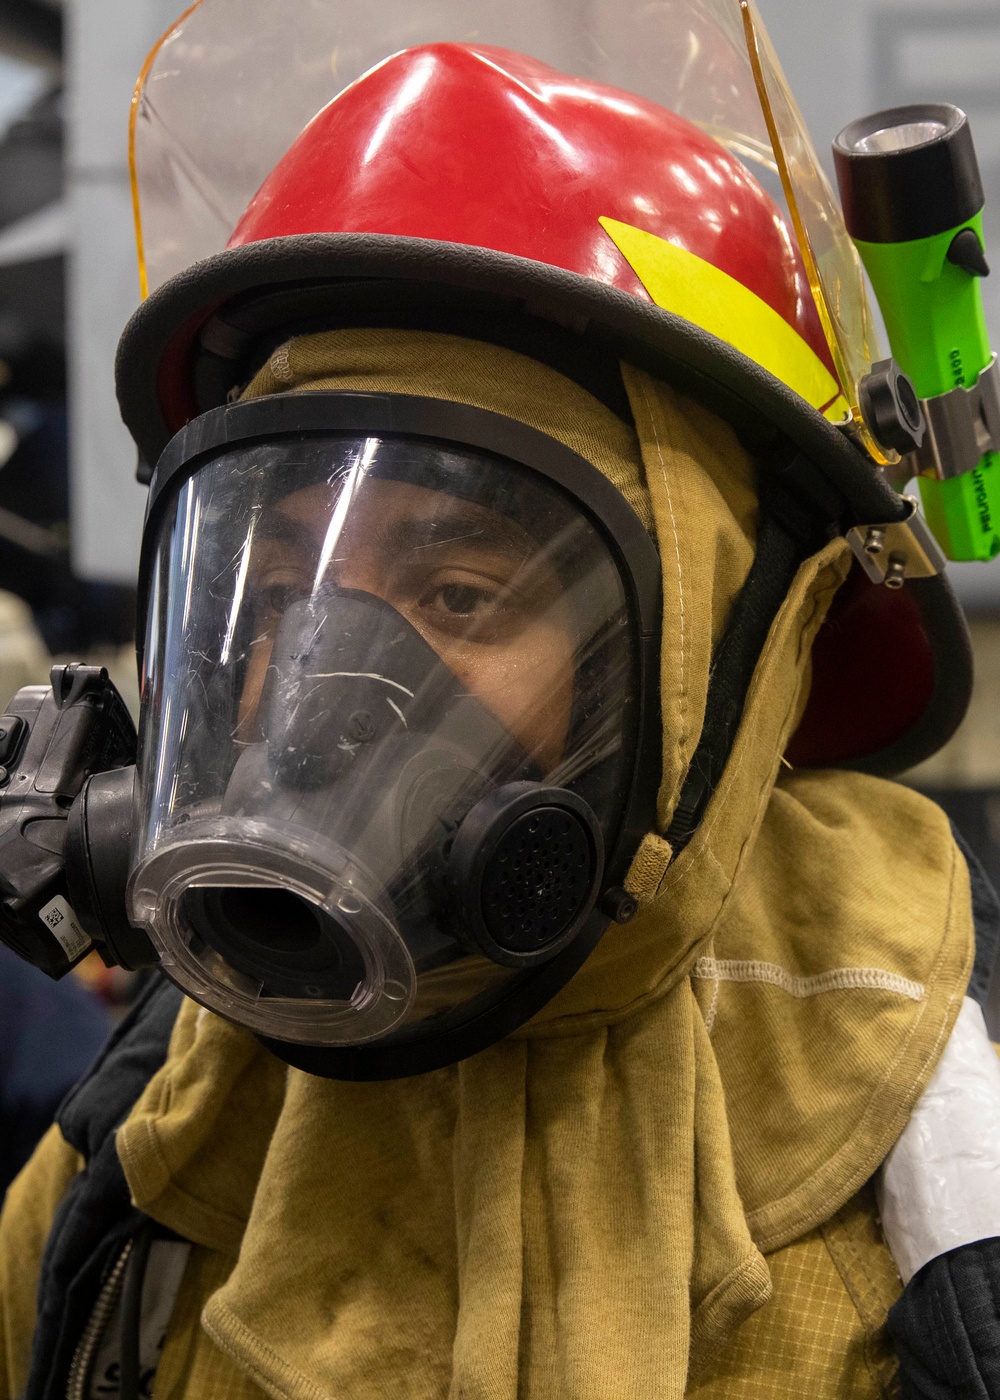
(543, 163)
(470, 189)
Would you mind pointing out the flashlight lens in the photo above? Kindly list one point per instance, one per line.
(899, 138)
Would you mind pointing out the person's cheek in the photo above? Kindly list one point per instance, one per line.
(527, 684)
(253, 686)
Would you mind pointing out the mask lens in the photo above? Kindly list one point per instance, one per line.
(353, 644)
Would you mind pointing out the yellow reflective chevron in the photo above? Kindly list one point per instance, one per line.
(687, 285)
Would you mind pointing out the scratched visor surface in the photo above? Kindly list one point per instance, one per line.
(351, 642)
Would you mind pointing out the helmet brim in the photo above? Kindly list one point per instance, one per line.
(184, 322)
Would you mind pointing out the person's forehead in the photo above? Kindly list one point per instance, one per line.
(399, 514)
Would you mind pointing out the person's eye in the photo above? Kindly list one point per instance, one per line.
(474, 606)
(276, 598)
(463, 600)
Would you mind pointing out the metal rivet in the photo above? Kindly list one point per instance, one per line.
(895, 574)
(619, 905)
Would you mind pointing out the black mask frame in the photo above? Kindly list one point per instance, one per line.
(298, 415)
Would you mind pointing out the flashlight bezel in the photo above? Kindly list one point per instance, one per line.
(918, 191)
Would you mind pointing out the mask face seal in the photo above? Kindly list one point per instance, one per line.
(396, 684)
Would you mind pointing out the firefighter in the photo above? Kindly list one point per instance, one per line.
(560, 967)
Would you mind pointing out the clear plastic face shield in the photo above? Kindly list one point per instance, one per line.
(223, 96)
(388, 730)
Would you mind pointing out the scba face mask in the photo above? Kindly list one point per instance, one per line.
(399, 736)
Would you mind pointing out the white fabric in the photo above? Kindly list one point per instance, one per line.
(940, 1184)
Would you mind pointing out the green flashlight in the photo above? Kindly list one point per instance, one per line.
(913, 204)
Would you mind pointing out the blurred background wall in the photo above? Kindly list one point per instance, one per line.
(69, 510)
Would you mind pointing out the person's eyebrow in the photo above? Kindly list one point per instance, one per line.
(276, 528)
(480, 528)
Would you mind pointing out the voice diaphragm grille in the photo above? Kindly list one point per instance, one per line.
(538, 879)
(524, 871)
